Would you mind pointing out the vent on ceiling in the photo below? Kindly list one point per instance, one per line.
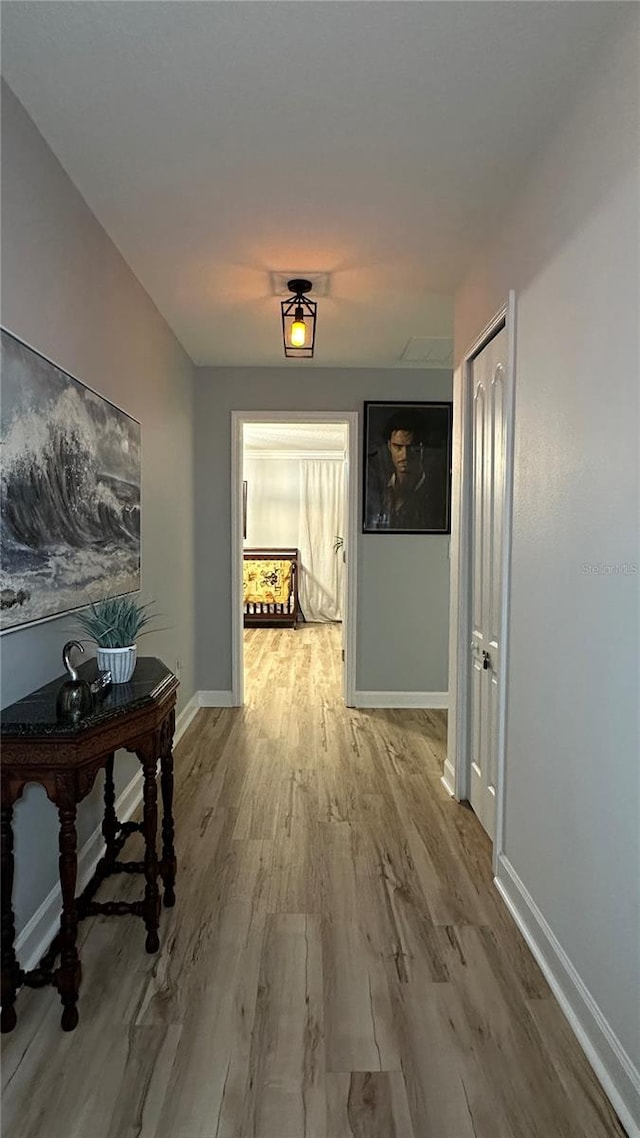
(435, 351)
(279, 282)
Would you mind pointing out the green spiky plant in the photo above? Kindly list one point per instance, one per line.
(116, 622)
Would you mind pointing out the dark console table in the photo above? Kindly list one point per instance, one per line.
(138, 716)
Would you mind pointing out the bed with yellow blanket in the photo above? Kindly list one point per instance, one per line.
(270, 586)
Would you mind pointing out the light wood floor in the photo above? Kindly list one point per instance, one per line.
(338, 963)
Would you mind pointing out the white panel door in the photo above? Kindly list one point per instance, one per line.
(487, 510)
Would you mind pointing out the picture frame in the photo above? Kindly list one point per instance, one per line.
(71, 491)
(407, 467)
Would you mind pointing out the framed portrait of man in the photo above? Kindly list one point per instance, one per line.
(407, 467)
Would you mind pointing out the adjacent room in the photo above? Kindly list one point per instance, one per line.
(294, 511)
(319, 569)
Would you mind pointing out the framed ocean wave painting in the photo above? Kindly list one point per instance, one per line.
(70, 491)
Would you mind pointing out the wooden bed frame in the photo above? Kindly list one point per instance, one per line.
(261, 613)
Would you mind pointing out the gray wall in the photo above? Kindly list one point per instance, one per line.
(67, 292)
(403, 581)
(570, 250)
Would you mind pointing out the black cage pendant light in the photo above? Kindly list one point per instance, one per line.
(299, 321)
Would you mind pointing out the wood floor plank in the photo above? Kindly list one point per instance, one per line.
(140, 1096)
(287, 1065)
(493, 1021)
(359, 1027)
(115, 1084)
(234, 883)
(338, 963)
(340, 883)
(223, 994)
(257, 810)
(368, 1104)
(591, 1111)
(297, 879)
(391, 904)
(429, 1061)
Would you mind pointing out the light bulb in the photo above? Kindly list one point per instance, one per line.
(298, 333)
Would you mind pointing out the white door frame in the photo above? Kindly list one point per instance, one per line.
(238, 419)
(456, 777)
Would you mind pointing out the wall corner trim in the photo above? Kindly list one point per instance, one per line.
(398, 699)
(613, 1067)
(36, 936)
(448, 778)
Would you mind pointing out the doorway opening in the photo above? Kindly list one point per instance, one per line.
(294, 536)
(480, 573)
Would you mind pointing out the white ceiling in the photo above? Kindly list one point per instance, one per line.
(376, 142)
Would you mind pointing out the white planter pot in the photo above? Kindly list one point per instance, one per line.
(119, 661)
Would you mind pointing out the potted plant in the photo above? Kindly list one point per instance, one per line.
(115, 625)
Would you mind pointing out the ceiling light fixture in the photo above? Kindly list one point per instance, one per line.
(299, 321)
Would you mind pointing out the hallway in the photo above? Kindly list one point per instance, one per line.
(338, 963)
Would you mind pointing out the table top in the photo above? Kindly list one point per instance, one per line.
(35, 714)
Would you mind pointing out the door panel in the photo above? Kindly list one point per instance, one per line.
(497, 427)
(487, 511)
(478, 503)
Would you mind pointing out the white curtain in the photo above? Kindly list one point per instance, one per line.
(321, 520)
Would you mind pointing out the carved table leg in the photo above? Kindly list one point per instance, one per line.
(168, 864)
(68, 974)
(110, 823)
(151, 904)
(9, 963)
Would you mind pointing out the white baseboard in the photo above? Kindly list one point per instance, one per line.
(390, 699)
(189, 712)
(40, 929)
(215, 699)
(612, 1065)
(394, 699)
